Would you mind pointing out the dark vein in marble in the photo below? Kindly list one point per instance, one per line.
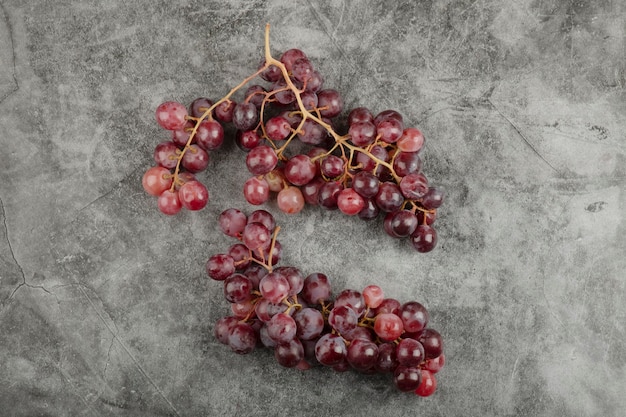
(10, 29)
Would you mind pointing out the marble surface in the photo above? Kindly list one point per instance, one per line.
(104, 305)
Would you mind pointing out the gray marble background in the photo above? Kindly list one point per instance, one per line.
(104, 305)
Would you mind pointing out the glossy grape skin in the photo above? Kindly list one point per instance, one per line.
(328, 194)
(389, 197)
(224, 111)
(274, 287)
(405, 163)
(409, 352)
(424, 238)
(389, 305)
(193, 195)
(290, 56)
(330, 102)
(360, 114)
(370, 210)
(277, 128)
(349, 202)
(407, 378)
(330, 350)
(299, 170)
(402, 223)
(242, 338)
(255, 95)
(169, 202)
(316, 289)
(195, 159)
(264, 217)
(310, 323)
(281, 328)
(388, 326)
(373, 296)
(332, 166)
(428, 384)
(199, 106)
(261, 160)
(223, 327)
(290, 200)
(247, 140)
(386, 361)
(434, 365)
(245, 116)
(209, 135)
(256, 191)
(412, 140)
(362, 354)
(310, 191)
(289, 354)
(432, 342)
(256, 236)
(220, 266)
(433, 198)
(343, 319)
(237, 288)
(414, 316)
(414, 186)
(171, 115)
(166, 154)
(156, 180)
(352, 299)
(232, 222)
(362, 133)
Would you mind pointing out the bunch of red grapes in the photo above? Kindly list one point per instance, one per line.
(296, 315)
(288, 126)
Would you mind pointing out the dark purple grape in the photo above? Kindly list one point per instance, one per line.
(402, 223)
(409, 352)
(330, 102)
(432, 342)
(332, 166)
(433, 198)
(405, 163)
(360, 114)
(199, 106)
(362, 354)
(330, 349)
(242, 338)
(366, 184)
(424, 238)
(328, 193)
(255, 95)
(237, 288)
(247, 140)
(245, 116)
(407, 378)
(290, 56)
(370, 211)
(389, 198)
(316, 289)
(290, 353)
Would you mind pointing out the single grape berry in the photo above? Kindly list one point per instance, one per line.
(171, 115)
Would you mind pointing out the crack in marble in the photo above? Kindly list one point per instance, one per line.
(127, 350)
(520, 134)
(10, 29)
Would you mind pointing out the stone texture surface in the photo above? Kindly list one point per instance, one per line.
(104, 306)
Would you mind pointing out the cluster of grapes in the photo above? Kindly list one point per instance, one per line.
(374, 167)
(297, 317)
(173, 179)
